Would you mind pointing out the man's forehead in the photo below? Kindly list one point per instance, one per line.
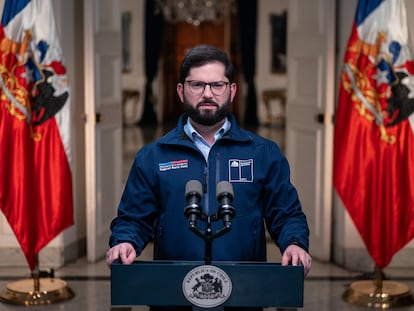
(213, 68)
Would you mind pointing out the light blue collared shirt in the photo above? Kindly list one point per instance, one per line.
(199, 141)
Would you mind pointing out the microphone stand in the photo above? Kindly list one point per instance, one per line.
(208, 235)
(193, 212)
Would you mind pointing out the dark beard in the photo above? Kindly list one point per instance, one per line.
(207, 118)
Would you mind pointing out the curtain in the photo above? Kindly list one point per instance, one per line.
(247, 28)
(153, 38)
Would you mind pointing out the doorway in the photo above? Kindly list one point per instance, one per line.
(178, 39)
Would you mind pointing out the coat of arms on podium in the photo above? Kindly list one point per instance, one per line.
(207, 286)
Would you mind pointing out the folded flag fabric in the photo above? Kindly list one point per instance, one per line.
(35, 174)
(374, 129)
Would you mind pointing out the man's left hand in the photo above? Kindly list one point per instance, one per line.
(295, 255)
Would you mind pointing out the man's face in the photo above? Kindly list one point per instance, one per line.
(207, 104)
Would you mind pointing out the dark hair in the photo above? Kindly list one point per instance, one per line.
(205, 54)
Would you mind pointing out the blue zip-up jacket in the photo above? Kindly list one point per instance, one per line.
(153, 201)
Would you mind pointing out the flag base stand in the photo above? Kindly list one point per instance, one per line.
(40, 291)
(381, 295)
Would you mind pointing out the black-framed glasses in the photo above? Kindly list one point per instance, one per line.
(217, 87)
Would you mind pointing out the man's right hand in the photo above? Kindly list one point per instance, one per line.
(124, 251)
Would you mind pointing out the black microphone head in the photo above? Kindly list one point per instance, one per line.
(224, 188)
(193, 194)
(193, 187)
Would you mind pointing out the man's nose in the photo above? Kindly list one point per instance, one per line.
(207, 91)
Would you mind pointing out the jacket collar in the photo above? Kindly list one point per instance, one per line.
(178, 136)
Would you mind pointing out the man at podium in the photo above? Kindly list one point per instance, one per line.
(208, 146)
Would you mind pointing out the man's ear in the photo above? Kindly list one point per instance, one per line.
(180, 91)
(233, 91)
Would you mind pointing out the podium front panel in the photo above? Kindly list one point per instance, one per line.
(160, 283)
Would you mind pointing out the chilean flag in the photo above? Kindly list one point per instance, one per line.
(35, 173)
(374, 129)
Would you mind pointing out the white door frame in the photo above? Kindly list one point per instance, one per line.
(309, 110)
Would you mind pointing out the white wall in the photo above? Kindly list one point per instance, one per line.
(135, 79)
(71, 243)
(265, 79)
(69, 20)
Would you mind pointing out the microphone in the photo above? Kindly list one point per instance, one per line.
(226, 210)
(193, 194)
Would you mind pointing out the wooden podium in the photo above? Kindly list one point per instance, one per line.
(163, 283)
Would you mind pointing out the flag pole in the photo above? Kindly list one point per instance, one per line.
(41, 289)
(36, 278)
(379, 279)
(378, 293)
